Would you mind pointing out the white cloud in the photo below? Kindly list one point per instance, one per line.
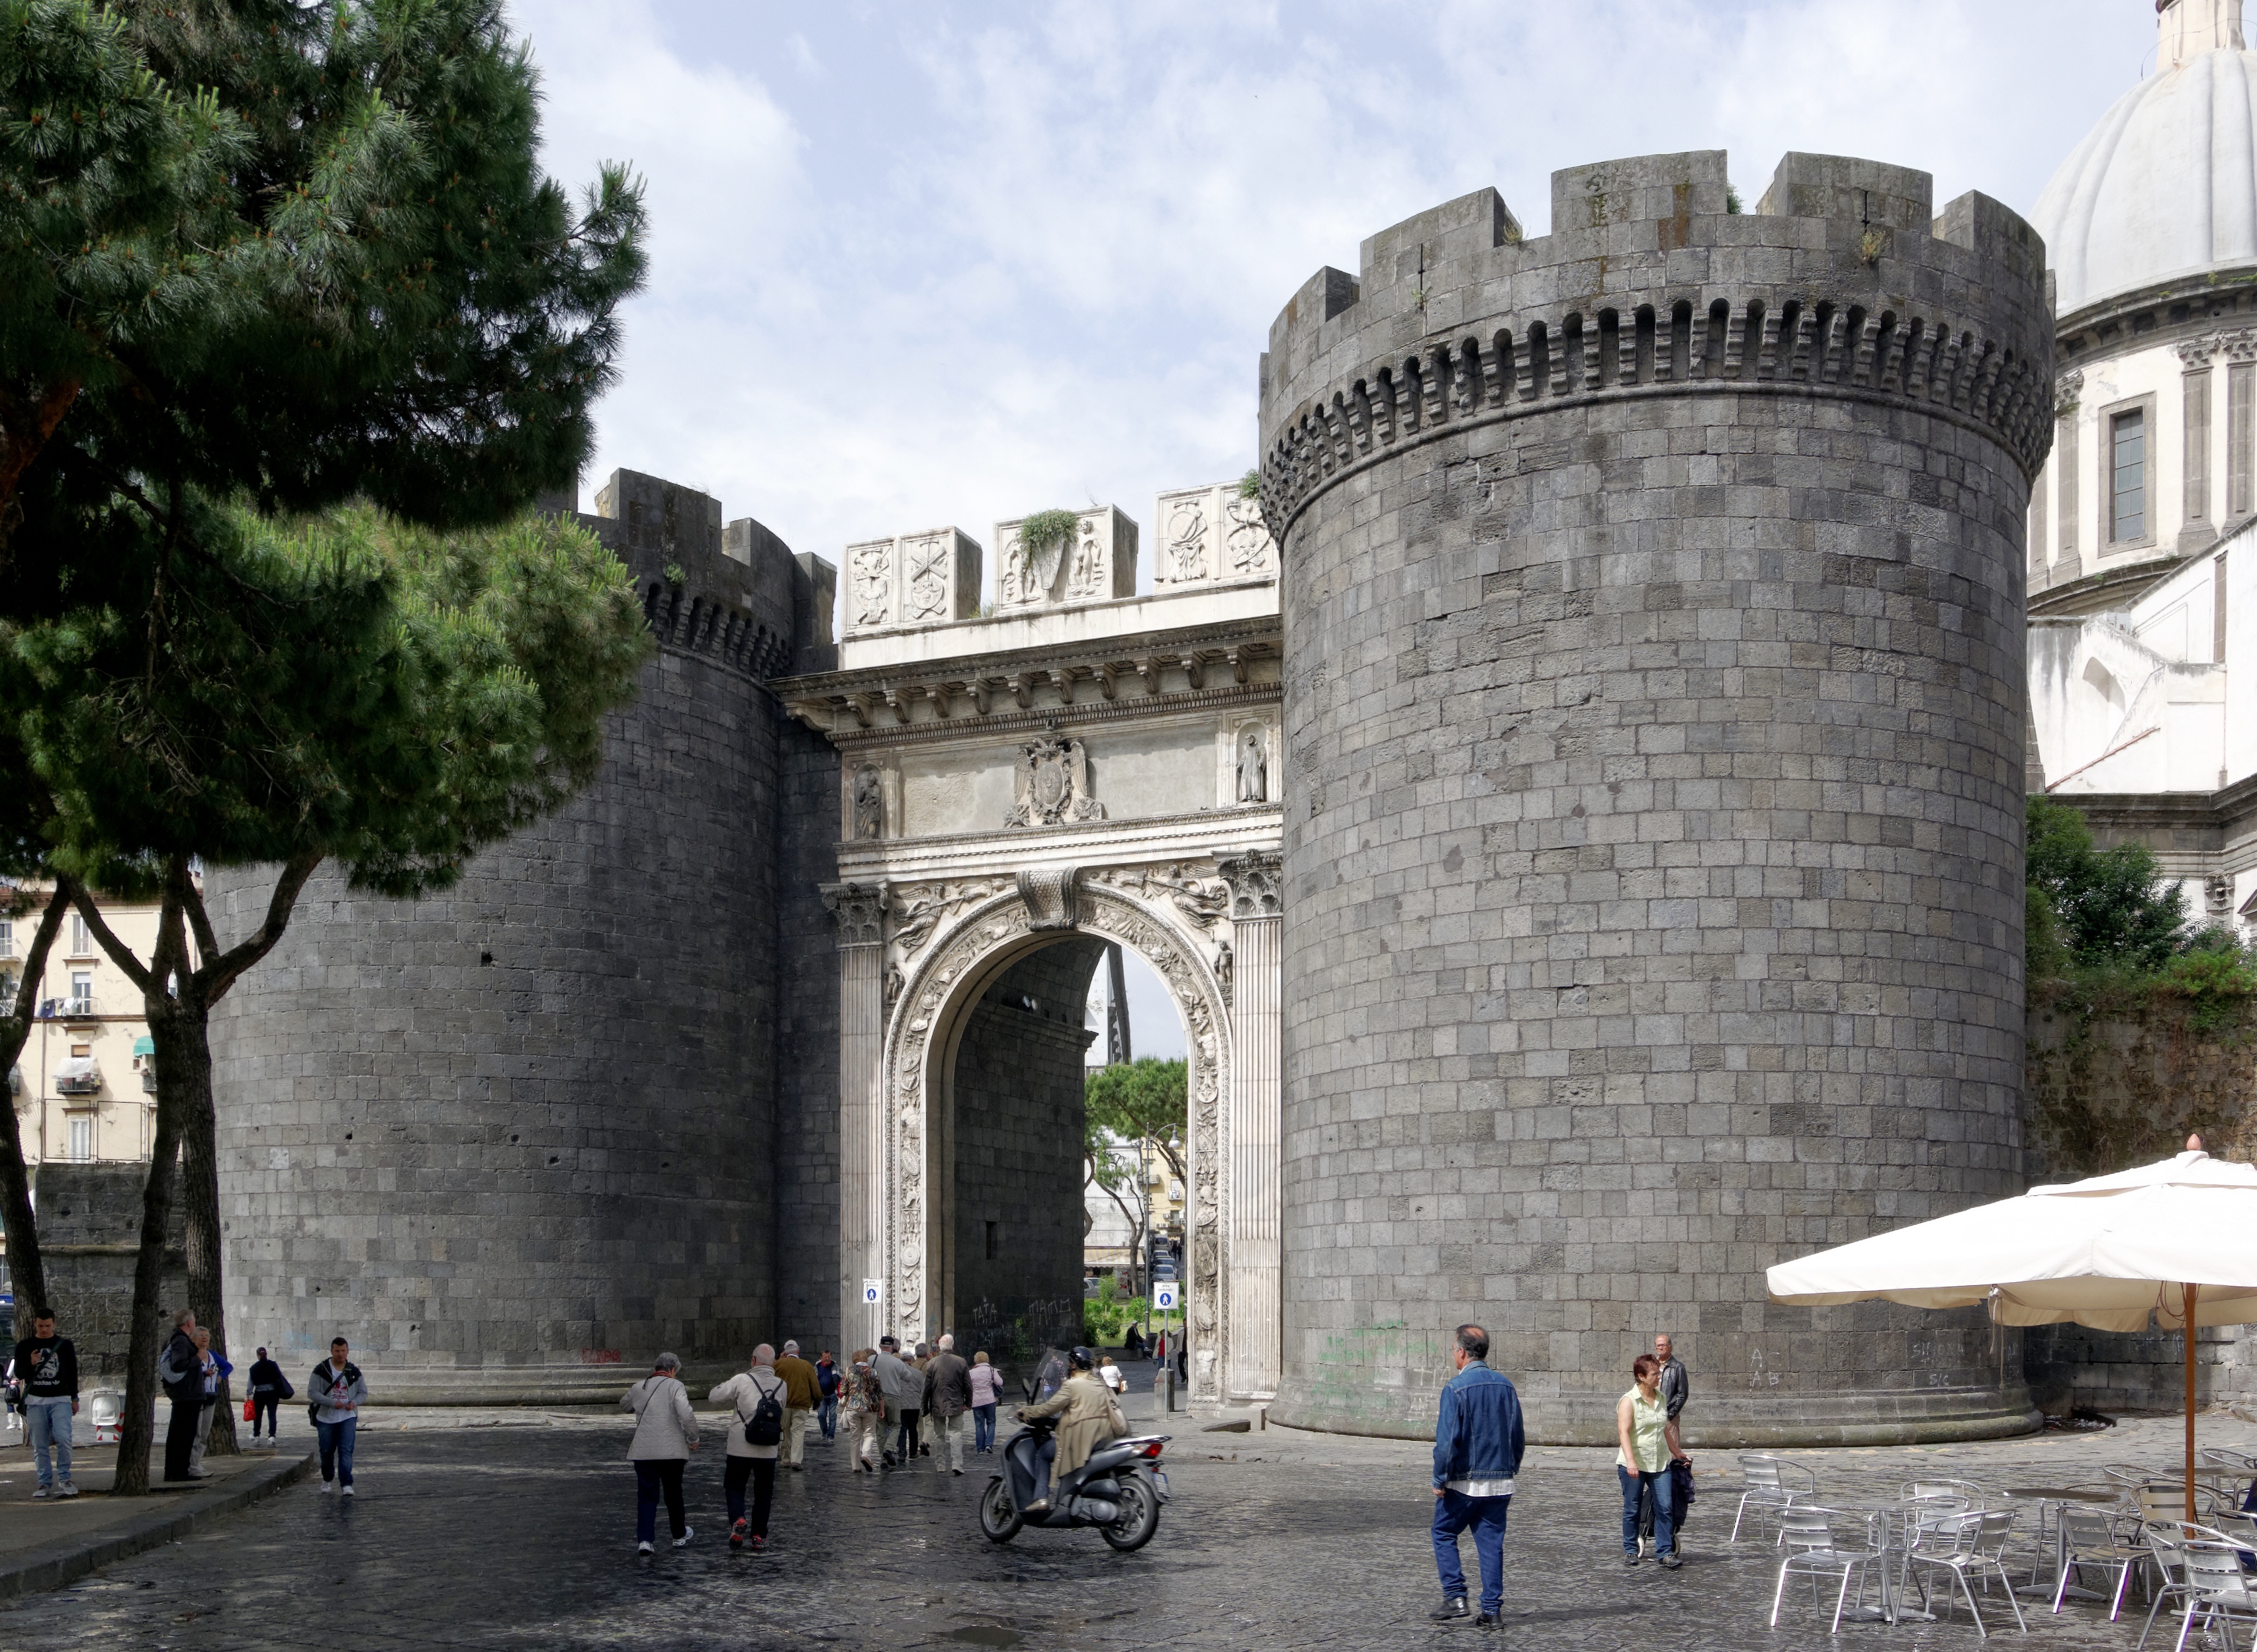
(1018, 256)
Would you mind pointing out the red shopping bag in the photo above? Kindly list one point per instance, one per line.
(250, 1410)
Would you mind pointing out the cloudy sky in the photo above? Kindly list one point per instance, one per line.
(948, 263)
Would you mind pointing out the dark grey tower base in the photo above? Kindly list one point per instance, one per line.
(1654, 625)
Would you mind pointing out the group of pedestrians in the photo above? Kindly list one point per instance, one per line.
(1479, 1443)
(897, 1407)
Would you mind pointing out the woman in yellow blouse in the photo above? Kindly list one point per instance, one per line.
(1648, 1437)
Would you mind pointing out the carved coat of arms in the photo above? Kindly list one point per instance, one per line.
(1053, 784)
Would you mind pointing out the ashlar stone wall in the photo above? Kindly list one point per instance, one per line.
(1653, 905)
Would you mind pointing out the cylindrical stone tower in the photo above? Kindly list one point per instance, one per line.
(1653, 628)
(510, 1137)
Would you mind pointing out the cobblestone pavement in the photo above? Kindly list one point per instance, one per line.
(520, 1534)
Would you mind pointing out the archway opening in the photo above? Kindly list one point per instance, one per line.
(1009, 1165)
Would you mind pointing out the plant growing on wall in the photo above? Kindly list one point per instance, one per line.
(1047, 528)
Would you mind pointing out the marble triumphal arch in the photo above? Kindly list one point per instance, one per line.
(1078, 767)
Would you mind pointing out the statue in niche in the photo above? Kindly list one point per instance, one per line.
(869, 802)
(1187, 543)
(1253, 768)
(894, 986)
(1222, 967)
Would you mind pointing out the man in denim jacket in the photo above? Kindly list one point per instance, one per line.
(1477, 1449)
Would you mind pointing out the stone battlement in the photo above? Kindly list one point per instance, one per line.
(1838, 284)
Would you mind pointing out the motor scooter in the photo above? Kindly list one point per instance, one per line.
(1119, 1490)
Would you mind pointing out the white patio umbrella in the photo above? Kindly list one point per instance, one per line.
(2178, 1240)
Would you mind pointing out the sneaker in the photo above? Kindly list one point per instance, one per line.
(954, 1471)
(1670, 1560)
(41, 1496)
(344, 1491)
(736, 1534)
(759, 1545)
(644, 1549)
(328, 1487)
(1454, 1610)
(687, 1532)
(66, 1489)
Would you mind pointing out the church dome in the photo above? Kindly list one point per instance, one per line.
(2164, 186)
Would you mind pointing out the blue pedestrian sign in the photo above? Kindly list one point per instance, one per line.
(1163, 1295)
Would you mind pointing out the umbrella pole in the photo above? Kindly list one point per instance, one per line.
(2189, 1334)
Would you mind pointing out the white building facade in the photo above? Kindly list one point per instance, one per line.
(2143, 559)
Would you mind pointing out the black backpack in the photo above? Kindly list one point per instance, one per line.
(764, 1426)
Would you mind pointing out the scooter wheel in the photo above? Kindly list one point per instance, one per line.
(1140, 1516)
(999, 1522)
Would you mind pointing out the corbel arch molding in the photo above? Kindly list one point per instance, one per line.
(926, 1029)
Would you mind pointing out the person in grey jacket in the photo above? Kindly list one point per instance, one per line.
(337, 1391)
(743, 1393)
(903, 1387)
(666, 1433)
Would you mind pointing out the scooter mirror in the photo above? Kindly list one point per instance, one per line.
(1029, 1384)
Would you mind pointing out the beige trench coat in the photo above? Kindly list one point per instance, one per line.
(1087, 1416)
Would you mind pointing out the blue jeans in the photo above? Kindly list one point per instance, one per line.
(47, 1423)
(336, 1440)
(1453, 1512)
(1665, 1517)
(827, 1414)
(983, 1427)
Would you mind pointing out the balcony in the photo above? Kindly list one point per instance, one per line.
(68, 1009)
(78, 1077)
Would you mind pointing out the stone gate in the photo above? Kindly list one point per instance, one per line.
(1078, 767)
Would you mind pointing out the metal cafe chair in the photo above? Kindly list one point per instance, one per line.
(2217, 1587)
(1806, 1533)
(2167, 1540)
(2160, 1502)
(2088, 1538)
(1772, 1486)
(1976, 1547)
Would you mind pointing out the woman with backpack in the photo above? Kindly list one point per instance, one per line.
(866, 1411)
(756, 1403)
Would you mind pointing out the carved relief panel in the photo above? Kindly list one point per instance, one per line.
(930, 578)
(1095, 563)
(1211, 536)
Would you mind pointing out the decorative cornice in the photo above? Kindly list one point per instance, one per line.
(990, 724)
(1153, 838)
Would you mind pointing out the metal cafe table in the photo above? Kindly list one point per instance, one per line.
(2050, 1500)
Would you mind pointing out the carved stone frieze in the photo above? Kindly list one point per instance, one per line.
(1052, 783)
(1257, 881)
(1211, 536)
(921, 909)
(1049, 896)
(860, 909)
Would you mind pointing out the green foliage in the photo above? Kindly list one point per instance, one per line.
(2110, 907)
(332, 269)
(1732, 201)
(346, 685)
(1107, 1316)
(1249, 485)
(1047, 528)
(1138, 1099)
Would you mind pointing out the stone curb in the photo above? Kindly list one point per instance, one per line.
(52, 1565)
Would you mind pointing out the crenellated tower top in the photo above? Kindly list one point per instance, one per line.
(1652, 282)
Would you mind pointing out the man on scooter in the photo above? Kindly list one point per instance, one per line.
(1087, 1418)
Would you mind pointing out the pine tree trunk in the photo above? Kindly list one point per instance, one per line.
(190, 1030)
(137, 1428)
(27, 1274)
